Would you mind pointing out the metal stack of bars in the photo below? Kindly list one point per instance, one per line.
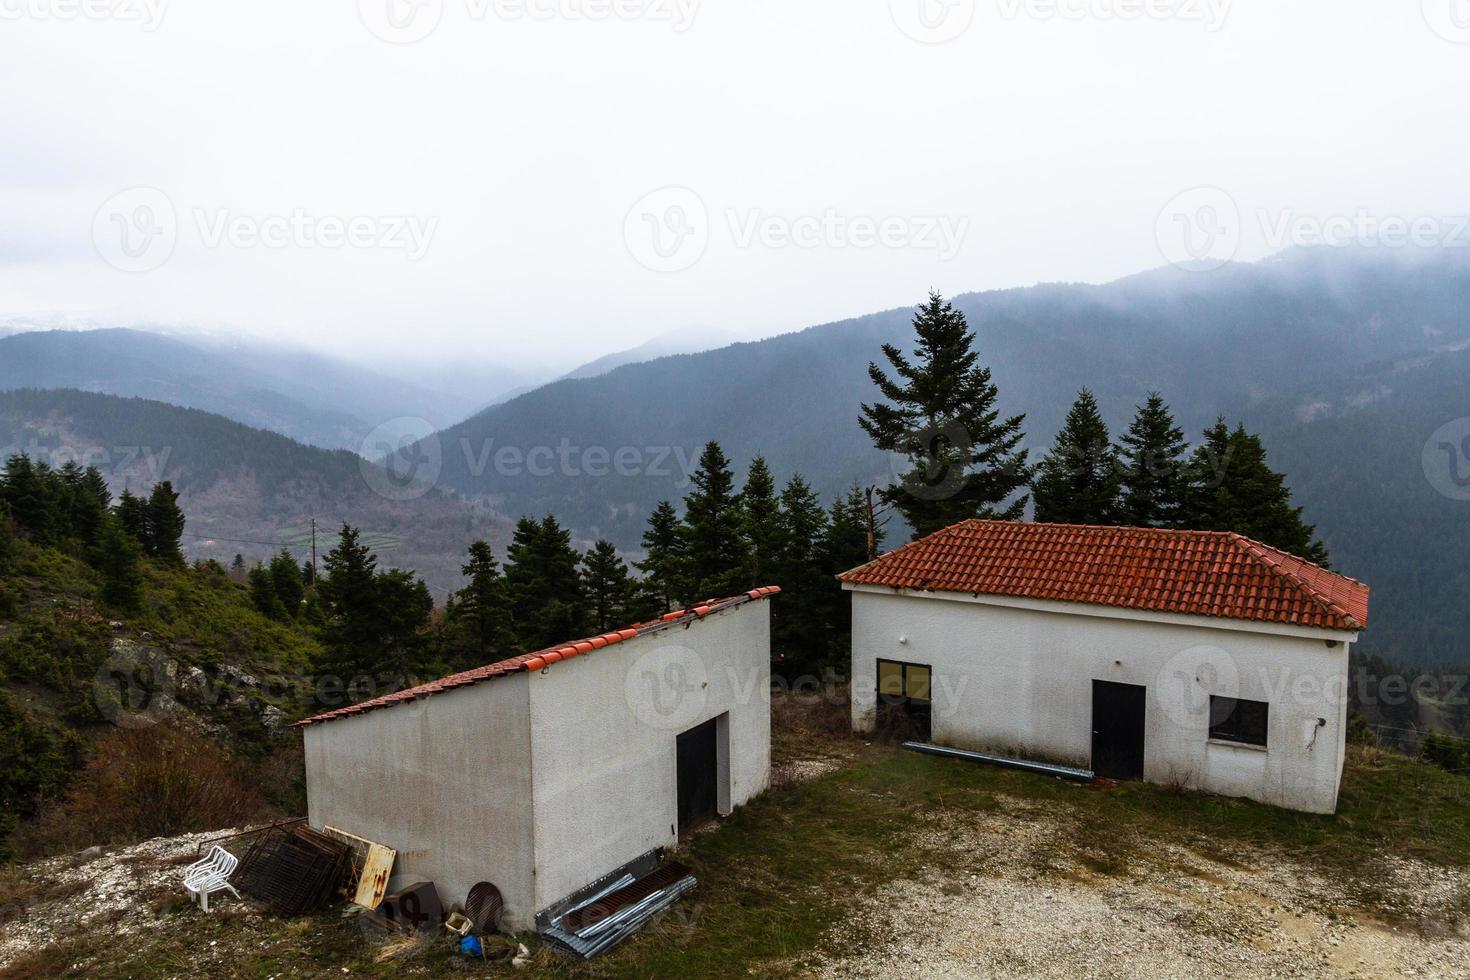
(294, 869)
(618, 911)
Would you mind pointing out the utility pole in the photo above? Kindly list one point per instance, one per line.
(313, 552)
(872, 528)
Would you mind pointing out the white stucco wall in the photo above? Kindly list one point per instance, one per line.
(1015, 677)
(542, 783)
(445, 780)
(605, 729)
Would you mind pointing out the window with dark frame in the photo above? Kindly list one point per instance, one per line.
(907, 685)
(1238, 720)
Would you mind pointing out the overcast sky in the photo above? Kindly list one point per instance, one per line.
(549, 180)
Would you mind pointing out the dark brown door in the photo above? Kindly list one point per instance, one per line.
(1117, 729)
(698, 775)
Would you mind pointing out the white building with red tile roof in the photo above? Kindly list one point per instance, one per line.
(1193, 658)
(545, 772)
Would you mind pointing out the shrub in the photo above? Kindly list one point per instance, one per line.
(157, 781)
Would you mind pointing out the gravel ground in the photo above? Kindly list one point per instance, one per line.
(111, 892)
(1020, 901)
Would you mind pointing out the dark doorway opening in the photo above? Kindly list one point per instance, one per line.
(1117, 729)
(699, 768)
(905, 689)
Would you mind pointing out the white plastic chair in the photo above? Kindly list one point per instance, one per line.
(212, 874)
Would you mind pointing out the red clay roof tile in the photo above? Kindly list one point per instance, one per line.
(1202, 573)
(532, 662)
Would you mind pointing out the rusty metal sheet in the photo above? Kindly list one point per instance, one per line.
(374, 866)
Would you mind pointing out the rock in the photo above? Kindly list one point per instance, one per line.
(90, 854)
(273, 719)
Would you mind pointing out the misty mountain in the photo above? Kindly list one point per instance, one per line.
(246, 490)
(690, 341)
(1304, 348)
(309, 397)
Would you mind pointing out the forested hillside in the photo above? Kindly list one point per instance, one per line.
(311, 398)
(247, 491)
(1297, 348)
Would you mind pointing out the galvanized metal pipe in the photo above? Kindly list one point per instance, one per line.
(1041, 768)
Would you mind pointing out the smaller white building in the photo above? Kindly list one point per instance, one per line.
(1192, 658)
(546, 772)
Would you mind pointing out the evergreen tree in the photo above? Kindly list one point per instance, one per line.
(611, 592)
(403, 605)
(844, 547)
(798, 628)
(760, 523)
(118, 555)
(1233, 489)
(27, 494)
(349, 603)
(308, 574)
(1078, 481)
(545, 586)
(1152, 454)
(477, 618)
(286, 581)
(165, 524)
(132, 511)
(944, 421)
(8, 546)
(717, 552)
(263, 593)
(93, 503)
(665, 562)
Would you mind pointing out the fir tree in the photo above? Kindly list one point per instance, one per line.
(118, 554)
(263, 593)
(944, 421)
(1078, 481)
(349, 604)
(611, 592)
(1233, 489)
(477, 617)
(717, 552)
(545, 586)
(1152, 454)
(27, 494)
(403, 607)
(286, 581)
(165, 524)
(798, 634)
(665, 561)
(760, 524)
(132, 512)
(844, 547)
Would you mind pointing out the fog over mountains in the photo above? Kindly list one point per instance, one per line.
(1352, 364)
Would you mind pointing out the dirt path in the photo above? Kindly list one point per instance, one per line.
(1018, 900)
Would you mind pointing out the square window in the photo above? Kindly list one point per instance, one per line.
(1238, 720)
(916, 683)
(890, 678)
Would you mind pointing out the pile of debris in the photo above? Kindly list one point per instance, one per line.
(601, 921)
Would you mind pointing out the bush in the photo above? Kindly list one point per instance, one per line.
(158, 781)
(35, 763)
(1445, 751)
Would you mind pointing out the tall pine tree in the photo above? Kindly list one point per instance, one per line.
(798, 629)
(1152, 454)
(759, 513)
(545, 585)
(716, 549)
(612, 593)
(477, 618)
(1233, 489)
(665, 562)
(965, 459)
(1078, 481)
(165, 524)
